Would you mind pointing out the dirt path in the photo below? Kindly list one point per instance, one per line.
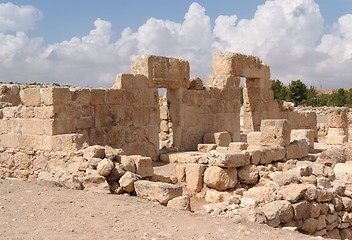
(37, 210)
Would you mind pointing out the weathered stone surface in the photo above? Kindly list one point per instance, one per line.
(105, 167)
(310, 225)
(278, 212)
(181, 202)
(111, 153)
(297, 149)
(95, 151)
(332, 156)
(302, 210)
(127, 181)
(162, 72)
(275, 132)
(238, 146)
(253, 138)
(116, 173)
(292, 192)
(336, 136)
(128, 163)
(144, 166)
(95, 183)
(307, 134)
(324, 195)
(155, 191)
(272, 154)
(283, 178)
(196, 84)
(253, 215)
(214, 196)
(221, 139)
(206, 147)
(228, 159)
(315, 210)
(194, 177)
(220, 178)
(343, 171)
(248, 174)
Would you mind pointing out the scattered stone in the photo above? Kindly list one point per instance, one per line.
(155, 191)
(105, 167)
(127, 181)
(220, 178)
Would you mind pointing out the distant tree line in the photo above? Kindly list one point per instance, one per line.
(298, 93)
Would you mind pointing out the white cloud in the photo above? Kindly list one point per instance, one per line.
(287, 34)
(15, 18)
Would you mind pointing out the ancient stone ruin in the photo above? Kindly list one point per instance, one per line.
(195, 143)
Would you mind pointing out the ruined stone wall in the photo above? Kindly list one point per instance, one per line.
(62, 118)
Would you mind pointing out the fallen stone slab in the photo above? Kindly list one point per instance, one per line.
(157, 191)
(228, 159)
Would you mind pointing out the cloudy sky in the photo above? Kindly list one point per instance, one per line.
(87, 42)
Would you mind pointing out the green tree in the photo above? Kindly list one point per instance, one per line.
(338, 98)
(312, 96)
(297, 92)
(349, 98)
(280, 91)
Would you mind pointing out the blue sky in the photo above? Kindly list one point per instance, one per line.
(87, 42)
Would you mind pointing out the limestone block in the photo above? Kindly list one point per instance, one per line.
(292, 192)
(156, 191)
(10, 140)
(324, 195)
(277, 212)
(55, 96)
(248, 174)
(44, 112)
(105, 167)
(337, 118)
(228, 159)
(220, 178)
(214, 196)
(115, 97)
(38, 126)
(283, 178)
(238, 146)
(310, 225)
(95, 151)
(275, 132)
(315, 210)
(144, 166)
(128, 163)
(128, 180)
(336, 136)
(98, 97)
(181, 203)
(331, 156)
(346, 233)
(95, 183)
(116, 173)
(30, 96)
(307, 134)
(206, 147)
(81, 96)
(297, 149)
(253, 138)
(333, 234)
(180, 172)
(194, 177)
(71, 142)
(162, 72)
(222, 81)
(196, 84)
(255, 155)
(222, 139)
(302, 210)
(272, 154)
(124, 81)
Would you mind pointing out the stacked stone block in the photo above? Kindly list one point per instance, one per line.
(338, 127)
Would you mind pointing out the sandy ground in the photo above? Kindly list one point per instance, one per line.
(42, 210)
